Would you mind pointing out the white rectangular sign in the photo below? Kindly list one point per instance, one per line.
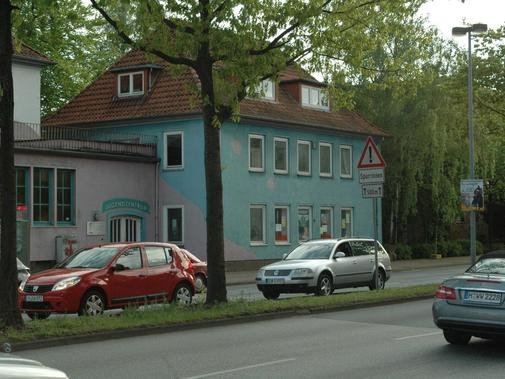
(372, 190)
(95, 228)
(371, 175)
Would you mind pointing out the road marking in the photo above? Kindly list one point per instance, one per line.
(241, 368)
(417, 336)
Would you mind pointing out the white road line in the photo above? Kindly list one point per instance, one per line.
(241, 368)
(418, 336)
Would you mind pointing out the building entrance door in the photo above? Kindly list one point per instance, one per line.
(124, 229)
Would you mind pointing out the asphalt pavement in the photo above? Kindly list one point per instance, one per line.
(394, 341)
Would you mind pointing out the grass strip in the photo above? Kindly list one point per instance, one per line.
(176, 315)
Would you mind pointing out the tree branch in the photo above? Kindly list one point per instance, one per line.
(129, 41)
(487, 106)
(356, 7)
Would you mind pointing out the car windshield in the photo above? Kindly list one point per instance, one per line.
(96, 257)
(488, 266)
(311, 251)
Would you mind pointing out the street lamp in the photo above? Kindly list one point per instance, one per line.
(461, 31)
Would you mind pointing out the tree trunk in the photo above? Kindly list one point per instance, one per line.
(9, 312)
(216, 286)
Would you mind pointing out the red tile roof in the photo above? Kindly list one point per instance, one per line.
(171, 95)
(27, 53)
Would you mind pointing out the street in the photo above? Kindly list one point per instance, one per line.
(395, 341)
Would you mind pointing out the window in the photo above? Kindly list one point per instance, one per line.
(326, 222)
(346, 222)
(257, 224)
(156, 256)
(303, 153)
(304, 223)
(65, 197)
(130, 259)
(281, 225)
(174, 150)
(314, 97)
(256, 153)
(280, 155)
(124, 229)
(174, 224)
(42, 195)
(266, 89)
(346, 161)
(21, 186)
(131, 84)
(325, 161)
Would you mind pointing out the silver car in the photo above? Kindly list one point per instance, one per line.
(320, 266)
(12, 366)
(473, 303)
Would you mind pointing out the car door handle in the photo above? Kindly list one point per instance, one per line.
(354, 262)
(142, 276)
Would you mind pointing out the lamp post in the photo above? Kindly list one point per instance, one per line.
(461, 31)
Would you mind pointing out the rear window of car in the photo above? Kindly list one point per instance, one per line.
(311, 251)
(156, 256)
(489, 266)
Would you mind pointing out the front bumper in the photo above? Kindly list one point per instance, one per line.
(66, 301)
(475, 320)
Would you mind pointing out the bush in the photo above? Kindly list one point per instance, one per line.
(403, 252)
(443, 248)
(465, 246)
(423, 250)
(454, 249)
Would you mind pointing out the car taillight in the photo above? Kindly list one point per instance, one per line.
(444, 292)
(190, 267)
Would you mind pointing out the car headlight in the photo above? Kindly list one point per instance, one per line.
(23, 284)
(260, 273)
(302, 272)
(65, 283)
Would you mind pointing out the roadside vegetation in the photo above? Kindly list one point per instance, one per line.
(169, 315)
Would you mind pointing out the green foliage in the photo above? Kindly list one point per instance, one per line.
(454, 249)
(403, 252)
(465, 247)
(423, 251)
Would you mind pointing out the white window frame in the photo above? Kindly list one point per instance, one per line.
(351, 212)
(262, 138)
(310, 222)
(286, 141)
(349, 149)
(165, 148)
(261, 88)
(307, 103)
(331, 220)
(325, 174)
(130, 92)
(288, 241)
(165, 223)
(298, 143)
(263, 214)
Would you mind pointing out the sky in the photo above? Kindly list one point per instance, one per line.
(444, 14)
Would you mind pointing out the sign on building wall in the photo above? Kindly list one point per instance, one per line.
(95, 228)
(125, 203)
(472, 195)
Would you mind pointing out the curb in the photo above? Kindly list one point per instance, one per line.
(150, 330)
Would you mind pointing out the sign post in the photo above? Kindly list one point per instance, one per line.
(371, 176)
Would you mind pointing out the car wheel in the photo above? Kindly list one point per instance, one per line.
(271, 294)
(456, 338)
(381, 281)
(92, 304)
(182, 294)
(324, 285)
(200, 283)
(38, 315)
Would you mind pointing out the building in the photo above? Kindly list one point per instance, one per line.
(289, 165)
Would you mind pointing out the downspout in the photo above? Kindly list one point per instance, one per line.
(157, 201)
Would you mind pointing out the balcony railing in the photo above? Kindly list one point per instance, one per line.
(108, 141)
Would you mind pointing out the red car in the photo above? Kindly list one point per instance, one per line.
(199, 270)
(110, 276)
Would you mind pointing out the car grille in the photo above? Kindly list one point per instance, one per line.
(36, 305)
(40, 289)
(277, 272)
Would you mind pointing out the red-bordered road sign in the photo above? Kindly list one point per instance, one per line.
(371, 157)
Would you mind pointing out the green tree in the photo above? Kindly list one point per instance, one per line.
(232, 45)
(67, 31)
(9, 312)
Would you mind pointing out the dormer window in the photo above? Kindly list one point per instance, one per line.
(314, 97)
(131, 84)
(266, 89)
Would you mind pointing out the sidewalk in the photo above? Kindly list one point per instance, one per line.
(249, 277)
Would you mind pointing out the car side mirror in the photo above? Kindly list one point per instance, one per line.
(118, 267)
(339, 254)
(284, 256)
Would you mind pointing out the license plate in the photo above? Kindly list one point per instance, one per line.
(482, 297)
(34, 298)
(274, 281)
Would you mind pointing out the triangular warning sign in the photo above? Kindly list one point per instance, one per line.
(370, 157)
